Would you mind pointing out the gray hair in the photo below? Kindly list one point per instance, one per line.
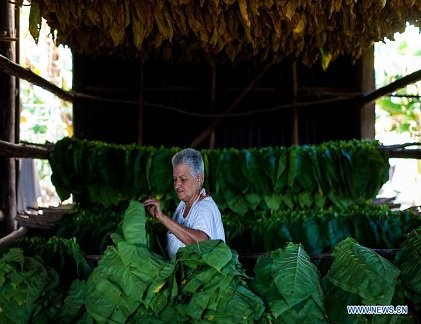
(193, 159)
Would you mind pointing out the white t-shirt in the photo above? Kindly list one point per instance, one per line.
(204, 215)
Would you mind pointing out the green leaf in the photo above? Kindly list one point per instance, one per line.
(281, 174)
(253, 199)
(112, 164)
(255, 167)
(409, 261)
(329, 168)
(316, 236)
(160, 176)
(296, 277)
(35, 21)
(294, 159)
(74, 304)
(213, 157)
(288, 199)
(317, 171)
(273, 201)
(237, 204)
(93, 175)
(287, 280)
(231, 160)
(305, 170)
(347, 172)
(319, 200)
(80, 158)
(104, 288)
(133, 226)
(373, 171)
(361, 271)
(270, 160)
(141, 171)
(336, 301)
(305, 199)
(129, 187)
(23, 281)
(262, 284)
(214, 253)
(326, 58)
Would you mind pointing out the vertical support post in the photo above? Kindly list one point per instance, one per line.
(294, 96)
(7, 120)
(140, 107)
(366, 83)
(213, 104)
(246, 90)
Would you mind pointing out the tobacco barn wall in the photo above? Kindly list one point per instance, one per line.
(157, 101)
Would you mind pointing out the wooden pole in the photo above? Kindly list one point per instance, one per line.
(390, 88)
(7, 66)
(23, 150)
(140, 108)
(7, 120)
(202, 136)
(213, 104)
(365, 82)
(16, 235)
(294, 95)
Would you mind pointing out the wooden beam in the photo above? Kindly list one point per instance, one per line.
(390, 88)
(23, 150)
(20, 233)
(16, 70)
(402, 150)
(202, 136)
(406, 154)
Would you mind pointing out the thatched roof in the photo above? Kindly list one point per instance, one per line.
(226, 30)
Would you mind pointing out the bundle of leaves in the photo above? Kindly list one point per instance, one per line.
(359, 276)
(92, 227)
(341, 174)
(203, 281)
(289, 284)
(409, 262)
(320, 230)
(35, 276)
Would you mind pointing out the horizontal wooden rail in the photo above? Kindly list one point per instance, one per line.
(20, 233)
(37, 151)
(23, 150)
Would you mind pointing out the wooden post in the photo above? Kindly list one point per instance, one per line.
(366, 83)
(203, 135)
(294, 95)
(7, 65)
(140, 107)
(23, 150)
(16, 235)
(7, 119)
(213, 104)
